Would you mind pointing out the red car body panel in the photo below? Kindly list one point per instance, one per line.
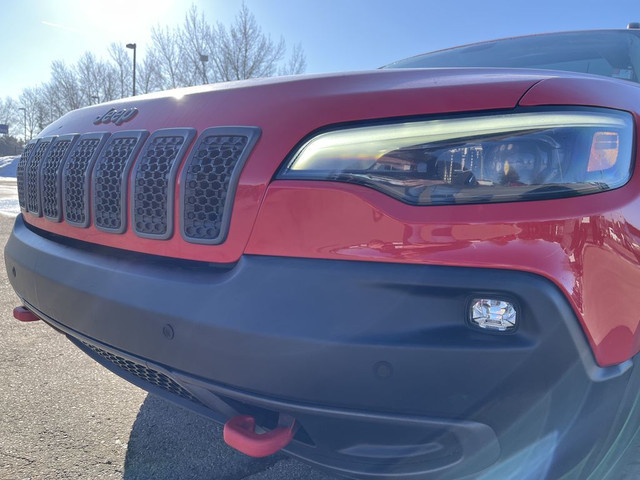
(271, 290)
(358, 330)
(559, 239)
(281, 109)
(351, 222)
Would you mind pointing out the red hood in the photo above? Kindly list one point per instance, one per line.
(286, 110)
(309, 102)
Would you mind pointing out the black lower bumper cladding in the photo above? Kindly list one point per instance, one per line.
(376, 363)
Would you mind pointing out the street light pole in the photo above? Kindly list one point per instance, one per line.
(133, 47)
(204, 59)
(24, 110)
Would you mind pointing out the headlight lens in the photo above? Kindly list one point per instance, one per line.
(481, 159)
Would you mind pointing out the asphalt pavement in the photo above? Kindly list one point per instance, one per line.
(63, 416)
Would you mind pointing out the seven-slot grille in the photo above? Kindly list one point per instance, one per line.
(79, 178)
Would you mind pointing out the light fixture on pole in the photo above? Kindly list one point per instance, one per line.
(133, 47)
(204, 59)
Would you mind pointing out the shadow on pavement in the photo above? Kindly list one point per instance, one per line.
(167, 441)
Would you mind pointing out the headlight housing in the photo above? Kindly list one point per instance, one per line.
(528, 155)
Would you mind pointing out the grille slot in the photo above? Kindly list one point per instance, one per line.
(51, 177)
(75, 178)
(32, 175)
(110, 178)
(209, 181)
(20, 173)
(144, 373)
(153, 180)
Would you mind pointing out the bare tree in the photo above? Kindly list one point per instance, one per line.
(109, 87)
(173, 59)
(30, 99)
(97, 80)
(197, 39)
(296, 64)
(244, 51)
(166, 50)
(65, 86)
(148, 77)
(48, 99)
(9, 116)
(123, 64)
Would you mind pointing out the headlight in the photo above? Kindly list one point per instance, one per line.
(480, 159)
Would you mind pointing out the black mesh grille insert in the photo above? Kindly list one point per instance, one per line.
(154, 182)
(20, 174)
(76, 169)
(32, 176)
(144, 373)
(209, 180)
(51, 177)
(110, 180)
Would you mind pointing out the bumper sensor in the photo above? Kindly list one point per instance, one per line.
(240, 433)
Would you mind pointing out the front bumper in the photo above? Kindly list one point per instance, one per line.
(375, 361)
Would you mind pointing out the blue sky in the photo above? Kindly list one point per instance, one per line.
(335, 34)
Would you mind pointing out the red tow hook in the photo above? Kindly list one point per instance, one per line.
(239, 433)
(24, 314)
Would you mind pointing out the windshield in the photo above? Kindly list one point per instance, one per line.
(609, 53)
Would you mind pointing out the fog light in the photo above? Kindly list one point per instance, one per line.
(493, 314)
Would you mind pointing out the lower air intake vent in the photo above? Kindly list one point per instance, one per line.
(144, 373)
(154, 182)
(209, 180)
(110, 180)
(75, 178)
(51, 178)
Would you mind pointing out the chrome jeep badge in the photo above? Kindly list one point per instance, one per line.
(117, 117)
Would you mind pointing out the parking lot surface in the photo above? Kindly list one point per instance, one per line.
(63, 416)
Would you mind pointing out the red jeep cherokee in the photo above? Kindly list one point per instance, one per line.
(418, 272)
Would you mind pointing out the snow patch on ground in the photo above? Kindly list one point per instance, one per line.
(9, 208)
(9, 205)
(9, 166)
